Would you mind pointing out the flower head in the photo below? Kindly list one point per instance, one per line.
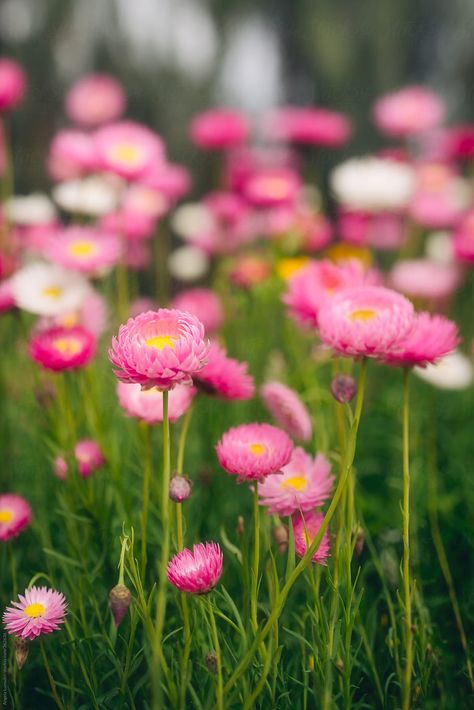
(48, 290)
(83, 249)
(202, 303)
(159, 349)
(305, 529)
(272, 186)
(219, 129)
(253, 451)
(89, 456)
(127, 148)
(15, 515)
(287, 410)
(408, 112)
(12, 84)
(431, 338)
(308, 126)
(93, 195)
(147, 405)
(224, 377)
(303, 484)
(60, 348)
(196, 571)
(95, 99)
(39, 611)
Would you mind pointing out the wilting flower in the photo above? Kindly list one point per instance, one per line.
(147, 405)
(196, 571)
(48, 290)
(368, 320)
(83, 249)
(12, 84)
(60, 348)
(424, 278)
(202, 303)
(222, 376)
(432, 338)
(305, 529)
(252, 451)
(127, 148)
(408, 112)
(219, 129)
(15, 515)
(303, 484)
(159, 349)
(307, 126)
(287, 410)
(452, 372)
(93, 195)
(95, 99)
(272, 186)
(39, 611)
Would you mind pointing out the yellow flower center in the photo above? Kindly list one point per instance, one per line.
(126, 153)
(67, 346)
(343, 252)
(299, 483)
(160, 341)
(34, 610)
(257, 449)
(52, 292)
(82, 248)
(6, 516)
(287, 267)
(70, 320)
(277, 188)
(363, 314)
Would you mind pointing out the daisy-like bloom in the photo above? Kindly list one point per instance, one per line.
(127, 148)
(219, 129)
(287, 410)
(71, 154)
(452, 372)
(365, 321)
(196, 571)
(39, 611)
(253, 451)
(93, 195)
(12, 84)
(159, 349)
(89, 457)
(202, 303)
(307, 126)
(48, 290)
(34, 209)
(408, 112)
(425, 279)
(95, 99)
(303, 484)
(61, 348)
(147, 405)
(224, 377)
(431, 338)
(305, 529)
(272, 186)
(84, 249)
(15, 515)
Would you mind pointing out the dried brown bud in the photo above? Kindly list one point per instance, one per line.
(180, 488)
(22, 648)
(211, 662)
(343, 388)
(280, 535)
(359, 541)
(120, 598)
(240, 526)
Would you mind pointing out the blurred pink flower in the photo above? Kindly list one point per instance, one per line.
(147, 405)
(71, 154)
(287, 410)
(441, 196)
(249, 270)
(382, 230)
(95, 99)
(464, 238)
(132, 224)
(12, 84)
(60, 348)
(272, 186)
(203, 303)
(15, 515)
(171, 180)
(84, 249)
(127, 148)
(408, 112)
(222, 376)
(305, 529)
(89, 457)
(307, 126)
(219, 129)
(425, 279)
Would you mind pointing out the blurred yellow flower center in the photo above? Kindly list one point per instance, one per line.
(287, 267)
(342, 252)
(126, 153)
(257, 449)
(70, 320)
(34, 610)
(51, 292)
(299, 483)
(82, 248)
(67, 346)
(275, 187)
(363, 314)
(6, 516)
(160, 341)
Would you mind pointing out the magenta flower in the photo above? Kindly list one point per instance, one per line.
(89, 457)
(159, 349)
(305, 529)
(196, 571)
(365, 321)
(202, 303)
(253, 451)
(224, 377)
(308, 126)
(272, 186)
(287, 410)
(431, 338)
(219, 129)
(60, 348)
(147, 405)
(303, 484)
(72, 153)
(39, 611)
(83, 249)
(15, 515)
(12, 84)
(408, 112)
(127, 148)
(464, 238)
(95, 99)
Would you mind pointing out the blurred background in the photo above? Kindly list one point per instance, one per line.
(176, 57)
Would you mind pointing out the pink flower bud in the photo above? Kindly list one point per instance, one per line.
(343, 388)
(180, 488)
(120, 598)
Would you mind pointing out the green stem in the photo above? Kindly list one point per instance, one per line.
(182, 440)
(122, 290)
(256, 561)
(146, 495)
(217, 651)
(406, 694)
(52, 684)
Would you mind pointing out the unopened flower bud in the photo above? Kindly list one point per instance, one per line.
(211, 662)
(359, 541)
(343, 388)
(45, 394)
(22, 648)
(120, 598)
(280, 535)
(240, 529)
(180, 488)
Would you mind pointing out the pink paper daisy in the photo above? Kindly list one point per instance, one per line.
(308, 126)
(224, 377)
(431, 338)
(60, 348)
(39, 611)
(408, 112)
(12, 84)
(15, 515)
(425, 278)
(219, 129)
(147, 405)
(127, 148)
(287, 410)
(71, 154)
(172, 181)
(159, 349)
(202, 303)
(253, 451)
(83, 249)
(196, 571)
(365, 321)
(95, 99)
(303, 484)
(305, 529)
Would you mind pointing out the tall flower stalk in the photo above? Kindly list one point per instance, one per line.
(407, 599)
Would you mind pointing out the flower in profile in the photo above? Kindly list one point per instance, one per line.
(305, 529)
(95, 99)
(93, 195)
(219, 129)
(71, 154)
(425, 279)
(196, 571)
(15, 515)
(303, 484)
(39, 611)
(287, 410)
(272, 186)
(159, 349)
(365, 321)
(89, 457)
(432, 338)
(408, 112)
(48, 290)
(452, 372)
(60, 348)
(202, 303)
(253, 451)
(147, 405)
(224, 376)
(307, 126)
(127, 148)
(84, 249)
(12, 84)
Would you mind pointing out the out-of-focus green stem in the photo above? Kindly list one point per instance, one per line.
(146, 495)
(256, 561)
(406, 688)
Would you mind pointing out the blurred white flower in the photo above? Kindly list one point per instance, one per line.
(373, 184)
(439, 247)
(192, 219)
(48, 290)
(188, 264)
(94, 195)
(453, 372)
(36, 208)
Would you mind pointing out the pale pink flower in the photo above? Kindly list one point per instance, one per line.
(138, 255)
(147, 405)
(39, 611)
(219, 129)
(134, 225)
(12, 84)
(89, 457)
(365, 321)
(431, 338)
(173, 181)
(60, 348)
(307, 126)
(95, 99)
(203, 303)
(408, 112)
(224, 377)
(92, 315)
(71, 154)
(382, 230)
(425, 279)
(197, 571)
(305, 529)
(146, 200)
(84, 249)
(302, 485)
(287, 410)
(127, 148)
(441, 196)
(252, 451)
(272, 186)
(15, 515)
(159, 349)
